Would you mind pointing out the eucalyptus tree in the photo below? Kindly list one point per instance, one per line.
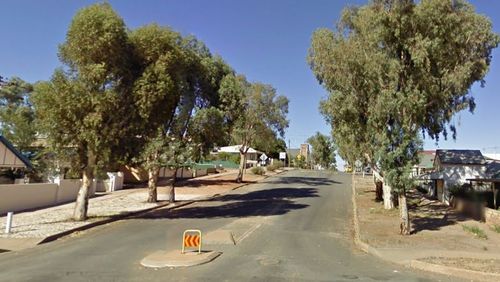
(178, 77)
(157, 92)
(85, 105)
(254, 110)
(323, 150)
(396, 71)
(16, 113)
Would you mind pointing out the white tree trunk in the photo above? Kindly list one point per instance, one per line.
(82, 200)
(405, 228)
(387, 195)
(152, 185)
(241, 170)
(171, 189)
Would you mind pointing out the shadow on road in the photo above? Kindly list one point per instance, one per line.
(309, 181)
(276, 201)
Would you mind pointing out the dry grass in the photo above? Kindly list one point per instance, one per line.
(476, 231)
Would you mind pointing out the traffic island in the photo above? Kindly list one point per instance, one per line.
(175, 258)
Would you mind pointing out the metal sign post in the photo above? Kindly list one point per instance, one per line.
(190, 240)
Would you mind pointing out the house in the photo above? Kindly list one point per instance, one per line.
(10, 157)
(454, 168)
(425, 164)
(305, 151)
(252, 154)
(491, 180)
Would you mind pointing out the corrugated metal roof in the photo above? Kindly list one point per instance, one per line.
(464, 157)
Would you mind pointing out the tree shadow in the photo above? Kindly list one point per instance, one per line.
(207, 182)
(431, 214)
(276, 201)
(309, 181)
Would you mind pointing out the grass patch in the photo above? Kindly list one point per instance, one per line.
(496, 228)
(476, 231)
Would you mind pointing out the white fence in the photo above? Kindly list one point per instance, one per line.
(20, 197)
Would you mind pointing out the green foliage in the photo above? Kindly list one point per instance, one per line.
(476, 231)
(16, 113)
(300, 162)
(395, 69)
(258, 170)
(255, 113)
(323, 150)
(208, 129)
(275, 165)
(224, 156)
(87, 108)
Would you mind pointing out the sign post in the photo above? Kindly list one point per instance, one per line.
(191, 238)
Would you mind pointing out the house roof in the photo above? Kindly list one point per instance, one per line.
(10, 156)
(463, 157)
(493, 170)
(426, 159)
(236, 149)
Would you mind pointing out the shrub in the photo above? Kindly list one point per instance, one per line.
(258, 170)
(278, 164)
(271, 167)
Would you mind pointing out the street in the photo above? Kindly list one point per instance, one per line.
(295, 226)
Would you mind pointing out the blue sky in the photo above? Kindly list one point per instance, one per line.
(263, 39)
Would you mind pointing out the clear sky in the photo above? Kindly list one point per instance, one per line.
(266, 40)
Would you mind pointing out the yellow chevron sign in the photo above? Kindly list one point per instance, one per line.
(191, 238)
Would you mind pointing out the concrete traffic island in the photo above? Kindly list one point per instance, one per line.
(175, 258)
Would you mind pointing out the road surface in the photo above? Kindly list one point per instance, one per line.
(291, 227)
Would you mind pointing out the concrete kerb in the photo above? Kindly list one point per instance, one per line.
(160, 259)
(415, 264)
(135, 213)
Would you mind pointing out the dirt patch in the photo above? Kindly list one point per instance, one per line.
(435, 226)
(484, 265)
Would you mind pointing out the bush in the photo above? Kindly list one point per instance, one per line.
(274, 166)
(258, 170)
(271, 167)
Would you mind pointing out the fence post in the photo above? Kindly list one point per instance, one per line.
(8, 226)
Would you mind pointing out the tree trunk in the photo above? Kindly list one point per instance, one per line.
(82, 200)
(152, 185)
(379, 192)
(171, 190)
(239, 178)
(387, 194)
(405, 227)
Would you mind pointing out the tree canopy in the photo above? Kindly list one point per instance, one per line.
(16, 112)
(323, 151)
(254, 111)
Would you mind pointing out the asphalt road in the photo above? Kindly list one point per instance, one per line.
(292, 227)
